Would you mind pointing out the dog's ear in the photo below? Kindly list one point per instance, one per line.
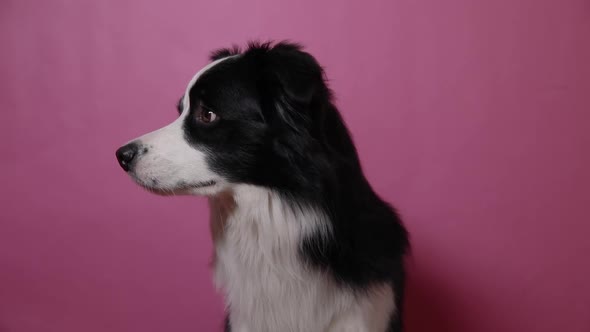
(295, 82)
(297, 72)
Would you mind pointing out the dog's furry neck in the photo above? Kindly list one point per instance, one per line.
(257, 265)
(262, 213)
(267, 284)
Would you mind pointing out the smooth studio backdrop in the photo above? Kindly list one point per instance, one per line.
(472, 117)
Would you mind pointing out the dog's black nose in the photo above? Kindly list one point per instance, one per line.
(126, 154)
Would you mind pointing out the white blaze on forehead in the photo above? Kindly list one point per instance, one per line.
(186, 99)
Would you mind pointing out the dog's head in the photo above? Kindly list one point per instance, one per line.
(262, 116)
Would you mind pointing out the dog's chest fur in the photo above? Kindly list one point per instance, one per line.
(266, 286)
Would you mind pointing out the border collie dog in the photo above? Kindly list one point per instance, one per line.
(302, 243)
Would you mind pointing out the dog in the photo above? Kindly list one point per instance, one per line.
(302, 242)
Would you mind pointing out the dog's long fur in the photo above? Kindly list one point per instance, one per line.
(302, 242)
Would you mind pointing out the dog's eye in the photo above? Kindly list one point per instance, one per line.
(206, 115)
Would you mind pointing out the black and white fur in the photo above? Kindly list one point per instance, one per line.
(302, 242)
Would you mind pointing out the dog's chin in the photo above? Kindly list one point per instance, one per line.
(162, 191)
(201, 188)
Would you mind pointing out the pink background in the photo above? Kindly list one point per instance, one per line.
(473, 117)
